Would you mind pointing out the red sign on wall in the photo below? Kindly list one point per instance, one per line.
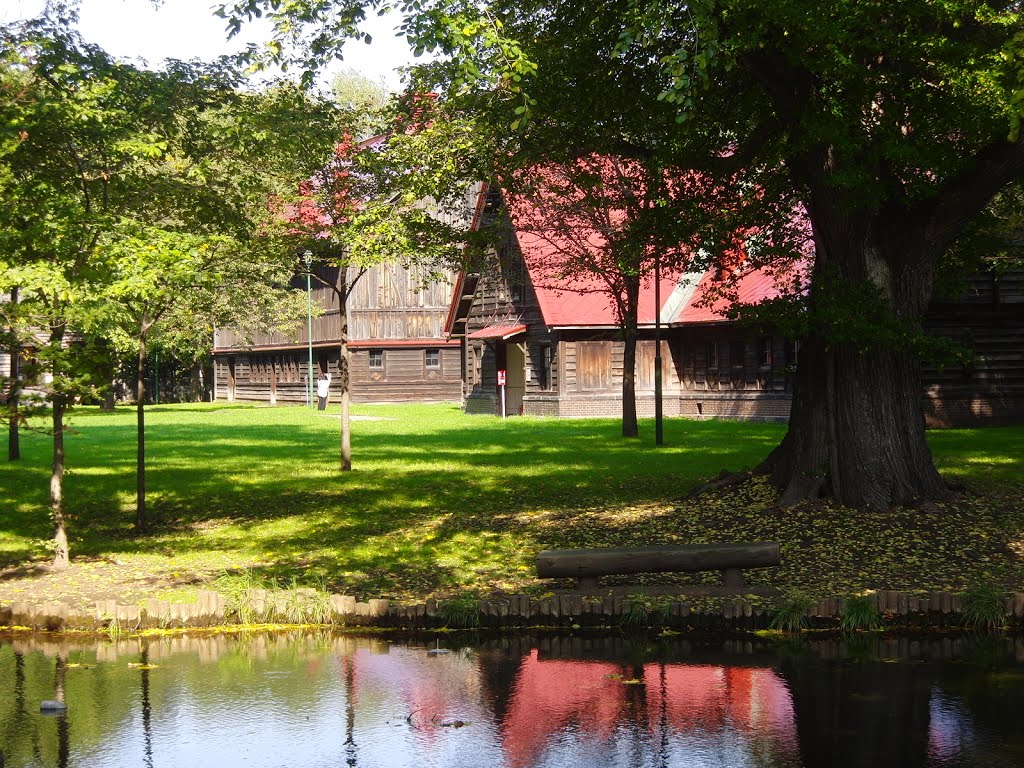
(501, 378)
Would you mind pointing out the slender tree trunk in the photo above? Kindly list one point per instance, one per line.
(195, 383)
(629, 423)
(109, 403)
(343, 380)
(14, 393)
(61, 555)
(140, 431)
(346, 432)
(109, 373)
(629, 334)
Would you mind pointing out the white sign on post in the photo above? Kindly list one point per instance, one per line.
(501, 385)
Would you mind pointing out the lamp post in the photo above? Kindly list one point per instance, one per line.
(308, 258)
(659, 435)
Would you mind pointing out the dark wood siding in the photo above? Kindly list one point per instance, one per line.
(503, 294)
(389, 303)
(719, 359)
(405, 377)
(593, 366)
(987, 321)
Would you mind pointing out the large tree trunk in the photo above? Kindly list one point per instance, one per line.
(856, 430)
(14, 393)
(140, 431)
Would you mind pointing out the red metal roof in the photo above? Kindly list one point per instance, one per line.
(712, 299)
(499, 331)
(568, 302)
(585, 301)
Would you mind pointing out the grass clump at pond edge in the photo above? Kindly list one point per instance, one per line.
(984, 608)
(444, 503)
(860, 613)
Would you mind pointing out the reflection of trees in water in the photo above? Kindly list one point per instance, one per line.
(499, 662)
(19, 681)
(636, 710)
(852, 714)
(147, 710)
(63, 725)
(824, 710)
(977, 705)
(350, 710)
(663, 744)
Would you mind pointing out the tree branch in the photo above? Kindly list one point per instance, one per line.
(966, 194)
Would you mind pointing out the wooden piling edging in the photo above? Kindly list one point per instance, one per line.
(565, 610)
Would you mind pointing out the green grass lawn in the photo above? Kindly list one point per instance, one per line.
(440, 502)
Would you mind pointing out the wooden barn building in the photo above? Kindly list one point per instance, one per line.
(562, 354)
(987, 317)
(398, 349)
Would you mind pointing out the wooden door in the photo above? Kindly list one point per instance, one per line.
(231, 379)
(515, 383)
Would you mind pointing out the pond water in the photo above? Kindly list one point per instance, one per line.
(315, 700)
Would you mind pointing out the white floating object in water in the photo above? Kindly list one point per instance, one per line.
(53, 706)
(437, 651)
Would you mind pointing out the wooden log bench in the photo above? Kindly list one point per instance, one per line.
(587, 565)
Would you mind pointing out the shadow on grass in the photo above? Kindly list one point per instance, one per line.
(432, 488)
(437, 500)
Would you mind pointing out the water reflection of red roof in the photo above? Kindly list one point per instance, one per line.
(549, 695)
(708, 698)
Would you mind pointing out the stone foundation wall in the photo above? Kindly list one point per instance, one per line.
(745, 406)
(480, 404)
(740, 406)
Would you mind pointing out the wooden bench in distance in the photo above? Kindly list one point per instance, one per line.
(587, 565)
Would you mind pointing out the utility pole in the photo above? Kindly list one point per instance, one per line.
(659, 434)
(308, 258)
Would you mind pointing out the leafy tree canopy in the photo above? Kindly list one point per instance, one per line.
(895, 126)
